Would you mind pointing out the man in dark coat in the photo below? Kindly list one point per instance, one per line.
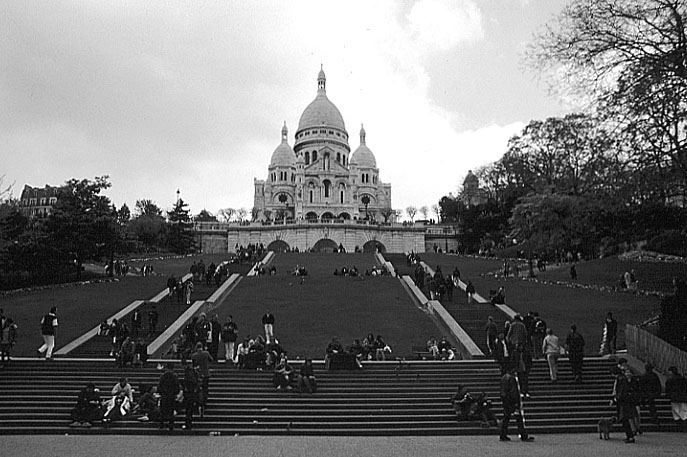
(574, 343)
(168, 388)
(87, 408)
(191, 387)
(511, 398)
(624, 400)
(650, 389)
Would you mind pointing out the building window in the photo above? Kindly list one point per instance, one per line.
(53, 200)
(338, 157)
(314, 156)
(312, 194)
(341, 194)
(307, 157)
(327, 187)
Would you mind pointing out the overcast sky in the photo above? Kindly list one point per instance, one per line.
(192, 95)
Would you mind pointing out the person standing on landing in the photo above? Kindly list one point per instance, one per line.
(268, 323)
(48, 326)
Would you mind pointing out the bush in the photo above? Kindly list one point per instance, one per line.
(671, 242)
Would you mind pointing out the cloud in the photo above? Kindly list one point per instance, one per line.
(444, 23)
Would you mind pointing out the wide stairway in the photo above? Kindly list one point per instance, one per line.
(383, 399)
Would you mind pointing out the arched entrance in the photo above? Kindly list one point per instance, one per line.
(374, 246)
(345, 216)
(325, 245)
(327, 216)
(278, 246)
(311, 216)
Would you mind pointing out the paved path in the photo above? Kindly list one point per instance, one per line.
(664, 444)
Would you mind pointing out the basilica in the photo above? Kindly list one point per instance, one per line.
(318, 179)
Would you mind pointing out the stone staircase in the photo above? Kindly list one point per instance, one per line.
(384, 399)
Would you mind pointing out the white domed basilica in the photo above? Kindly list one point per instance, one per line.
(319, 178)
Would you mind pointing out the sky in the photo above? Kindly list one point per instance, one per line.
(192, 96)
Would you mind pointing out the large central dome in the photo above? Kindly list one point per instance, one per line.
(321, 111)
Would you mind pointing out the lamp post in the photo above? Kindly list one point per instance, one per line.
(366, 201)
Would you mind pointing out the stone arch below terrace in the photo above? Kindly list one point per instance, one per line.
(278, 246)
(374, 246)
(325, 245)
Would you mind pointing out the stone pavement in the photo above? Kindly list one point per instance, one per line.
(664, 444)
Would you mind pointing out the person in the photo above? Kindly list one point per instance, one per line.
(126, 353)
(649, 390)
(461, 402)
(8, 338)
(444, 349)
(215, 334)
(334, 348)
(551, 349)
(121, 402)
(148, 404)
(470, 291)
(676, 391)
(168, 387)
(242, 352)
(268, 324)
(610, 335)
(230, 332)
(624, 401)
(381, 348)
(152, 321)
(368, 346)
(140, 353)
(574, 344)
(48, 327)
(136, 323)
(191, 388)
(171, 285)
(573, 272)
(511, 400)
(538, 334)
(502, 353)
(307, 383)
(188, 290)
(282, 374)
(433, 348)
(492, 332)
(201, 361)
(88, 407)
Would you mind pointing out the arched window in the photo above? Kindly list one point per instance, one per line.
(307, 157)
(312, 194)
(314, 156)
(338, 157)
(341, 193)
(327, 188)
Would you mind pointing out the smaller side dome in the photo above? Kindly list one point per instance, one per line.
(363, 156)
(283, 155)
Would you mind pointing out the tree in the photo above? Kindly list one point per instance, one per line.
(268, 215)
(254, 212)
(226, 214)
(241, 214)
(411, 211)
(82, 225)
(630, 57)
(123, 214)
(147, 208)
(424, 210)
(435, 210)
(387, 213)
(205, 216)
(180, 228)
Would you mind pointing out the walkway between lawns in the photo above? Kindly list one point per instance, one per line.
(471, 316)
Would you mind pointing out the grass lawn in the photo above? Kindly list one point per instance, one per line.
(559, 305)
(309, 314)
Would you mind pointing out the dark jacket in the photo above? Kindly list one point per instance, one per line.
(510, 393)
(169, 384)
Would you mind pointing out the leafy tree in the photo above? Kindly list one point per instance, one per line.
(630, 58)
(206, 216)
(5, 190)
(180, 228)
(268, 215)
(241, 214)
(123, 215)
(149, 231)
(147, 208)
(82, 225)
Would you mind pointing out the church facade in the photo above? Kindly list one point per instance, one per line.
(319, 179)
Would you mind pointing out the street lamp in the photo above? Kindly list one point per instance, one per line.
(366, 201)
